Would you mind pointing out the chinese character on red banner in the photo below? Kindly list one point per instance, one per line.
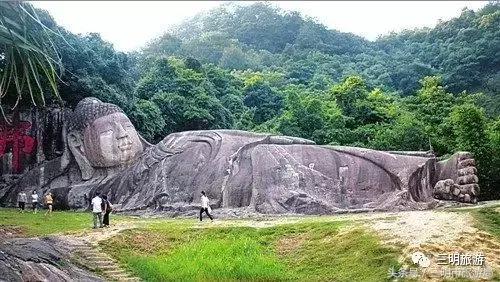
(15, 134)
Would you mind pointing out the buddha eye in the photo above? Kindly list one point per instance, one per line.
(107, 132)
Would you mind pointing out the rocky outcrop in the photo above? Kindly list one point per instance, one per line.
(44, 126)
(31, 138)
(257, 172)
(270, 174)
(459, 181)
(262, 173)
(40, 259)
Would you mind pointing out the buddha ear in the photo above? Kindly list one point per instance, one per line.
(75, 144)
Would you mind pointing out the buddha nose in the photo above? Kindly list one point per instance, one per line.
(122, 133)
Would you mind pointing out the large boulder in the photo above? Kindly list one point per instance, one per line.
(40, 259)
(263, 173)
(270, 174)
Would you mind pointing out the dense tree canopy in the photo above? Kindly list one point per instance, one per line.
(259, 68)
(463, 51)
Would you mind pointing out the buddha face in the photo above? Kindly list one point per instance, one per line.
(111, 141)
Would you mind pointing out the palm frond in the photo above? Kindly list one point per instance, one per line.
(27, 54)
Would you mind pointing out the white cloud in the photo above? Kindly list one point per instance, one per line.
(130, 24)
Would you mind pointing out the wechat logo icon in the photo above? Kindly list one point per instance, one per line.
(420, 259)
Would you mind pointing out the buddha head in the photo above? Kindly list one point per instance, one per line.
(100, 135)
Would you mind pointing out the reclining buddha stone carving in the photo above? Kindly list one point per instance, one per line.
(263, 173)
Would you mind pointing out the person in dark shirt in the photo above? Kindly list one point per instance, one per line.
(107, 208)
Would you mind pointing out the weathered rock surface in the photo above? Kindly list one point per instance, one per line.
(260, 173)
(40, 259)
(458, 179)
(42, 125)
(270, 174)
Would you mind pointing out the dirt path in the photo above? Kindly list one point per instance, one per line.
(436, 233)
(417, 227)
(411, 228)
(94, 236)
(7, 232)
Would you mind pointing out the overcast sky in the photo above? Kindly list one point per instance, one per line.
(131, 24)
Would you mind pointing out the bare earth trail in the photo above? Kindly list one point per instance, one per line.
(94, 236)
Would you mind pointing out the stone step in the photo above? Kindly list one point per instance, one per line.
(85, 248)
(110, 267)
(95, 253)
(99, 254)
(125, 278)
(73, 246)
(115, 272)
(129, 279)
(103, 262)
(122, 273)
(78, 244)
(99, 258)
(122, 276)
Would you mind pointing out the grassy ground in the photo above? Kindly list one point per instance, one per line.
(39, 224)
(297, 249)
(306, 251)
(488, 219)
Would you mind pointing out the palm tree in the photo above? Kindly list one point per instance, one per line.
(28, 57)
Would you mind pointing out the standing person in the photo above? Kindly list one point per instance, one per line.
(97, 210)
(204, 206)
(21, 201)
(48, 202)
(107, 210)
(34, 201)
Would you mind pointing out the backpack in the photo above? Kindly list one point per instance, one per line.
(110, 206)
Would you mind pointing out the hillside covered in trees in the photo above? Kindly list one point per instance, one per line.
(260, 68)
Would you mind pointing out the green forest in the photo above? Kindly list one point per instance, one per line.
(260, 68)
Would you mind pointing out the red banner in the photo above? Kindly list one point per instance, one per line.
(15, 134)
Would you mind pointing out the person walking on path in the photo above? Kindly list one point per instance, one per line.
(204, 206)
(97, 210)
(108, 207)
(21, 201)
(48, 203)
(34, 201)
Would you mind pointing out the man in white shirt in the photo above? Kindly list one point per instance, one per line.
(34, 201)
(204, 206)
(97, 210)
